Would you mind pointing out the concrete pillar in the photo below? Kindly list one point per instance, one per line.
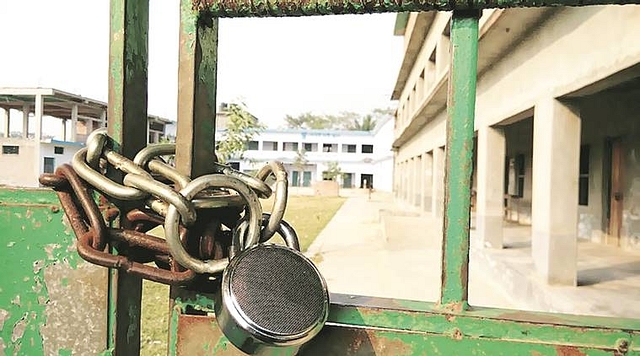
(73, 135)
(405, 180)
(39, 111)
(6, 120)
(414, 181)
(427, 186)
(423, 181)
(25, 121)
(437, 204)
(417, 195)
(490, 173)
(556, 161)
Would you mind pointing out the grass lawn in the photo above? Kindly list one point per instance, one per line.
(308, 215)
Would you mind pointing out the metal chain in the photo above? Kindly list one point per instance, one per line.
(161, 195)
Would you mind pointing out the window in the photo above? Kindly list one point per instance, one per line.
(349, 148)
(583, 183)
(290, 146)
(311, 147)
(329, 147)
(58, 150)
(10, 150)
(270, 146)
(156, 126)
(367, 148)
(252, 146)
(49, 163)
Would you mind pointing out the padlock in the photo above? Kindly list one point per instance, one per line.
(272, 296)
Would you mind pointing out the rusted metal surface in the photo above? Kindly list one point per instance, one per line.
(127, 125)
(282, 8)
(199, 335)
(197, 75)
(459, 159)
(368, 326)
(93, 235)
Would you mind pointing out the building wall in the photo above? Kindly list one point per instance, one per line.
(602, 39)
(379, 163)
(48, 150)
(19, 169)
(604, 117)
(603, 42)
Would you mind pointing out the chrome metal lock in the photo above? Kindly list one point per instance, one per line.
(272, 296)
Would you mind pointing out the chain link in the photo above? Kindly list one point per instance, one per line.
(220, 212)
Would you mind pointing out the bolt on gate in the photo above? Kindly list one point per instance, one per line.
(67, 307)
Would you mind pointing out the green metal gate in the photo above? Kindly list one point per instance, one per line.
(53, 303)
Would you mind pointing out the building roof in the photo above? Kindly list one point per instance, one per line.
(58, 103)
(419, 30)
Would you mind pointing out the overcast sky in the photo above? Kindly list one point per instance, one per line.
(279, 66)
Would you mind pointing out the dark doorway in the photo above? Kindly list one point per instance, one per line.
(366, 181)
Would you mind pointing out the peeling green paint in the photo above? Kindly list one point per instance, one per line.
(37, 239)
(459, 160)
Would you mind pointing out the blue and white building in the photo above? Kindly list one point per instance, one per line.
(364, 157)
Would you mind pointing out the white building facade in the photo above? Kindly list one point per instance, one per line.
(363, 157)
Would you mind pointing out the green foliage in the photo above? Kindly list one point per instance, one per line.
(367, 123)
(343, 121)
(332, 172)
(301, 159)
(318, 122)
(241, 128)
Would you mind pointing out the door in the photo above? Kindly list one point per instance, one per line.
(347, 180)
(366, 181)
(306, 179)
(295, 178)
(615, 195)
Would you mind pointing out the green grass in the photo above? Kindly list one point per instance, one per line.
(308, 215)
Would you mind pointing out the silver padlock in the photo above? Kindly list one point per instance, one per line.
(272, 296)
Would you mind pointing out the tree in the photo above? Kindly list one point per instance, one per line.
(299, 162)
(241, 129)
(368, 123)
(346, 120)
(332, 172)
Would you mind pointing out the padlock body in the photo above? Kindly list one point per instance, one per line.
(271, 296)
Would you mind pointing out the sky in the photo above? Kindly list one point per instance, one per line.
(277, 67)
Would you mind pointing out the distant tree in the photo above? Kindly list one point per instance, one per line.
(368, 123)
(310, 121)
(346, 120)
(241, 129)
(332, 172)
(300, 161)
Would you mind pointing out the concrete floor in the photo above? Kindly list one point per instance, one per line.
(608, 277)
(376, 248)
(357, 255)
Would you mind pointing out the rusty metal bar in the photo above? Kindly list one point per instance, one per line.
(197, 76)
(282, 8)
(370, 325)
(459, 159)
(127, 125)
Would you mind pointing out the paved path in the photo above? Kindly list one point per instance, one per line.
(356, 257)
